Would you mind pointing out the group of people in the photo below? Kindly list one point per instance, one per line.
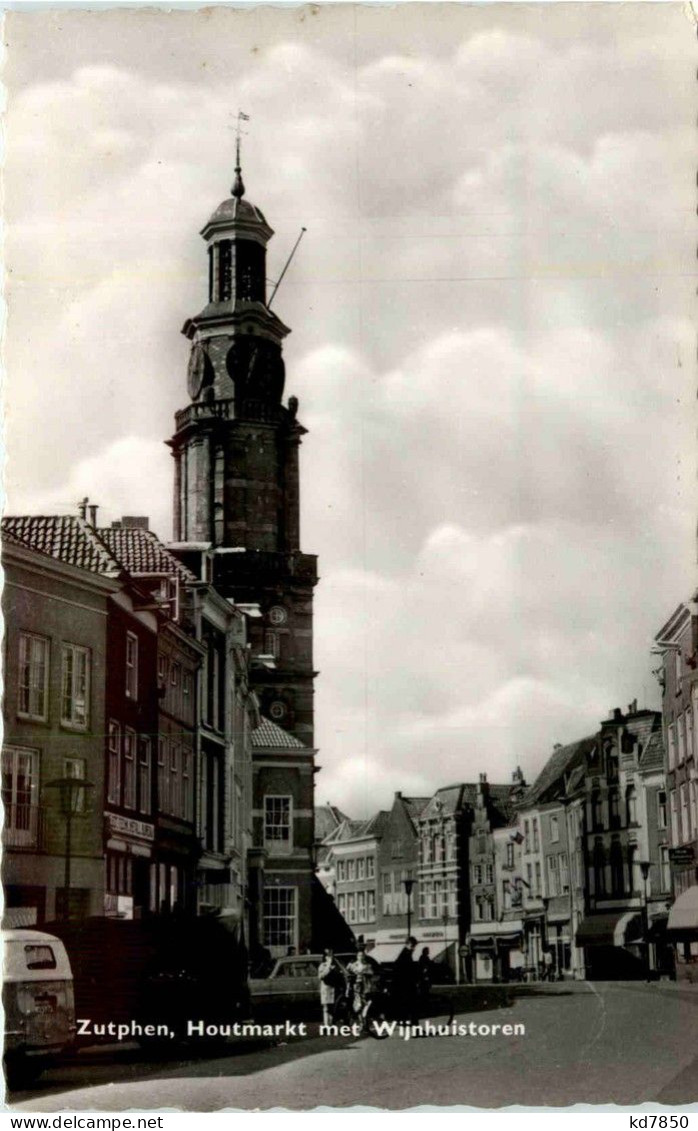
(363, 979)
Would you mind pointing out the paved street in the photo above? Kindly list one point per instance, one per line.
(606, 1043)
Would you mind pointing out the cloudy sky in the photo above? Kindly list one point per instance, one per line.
(493, 340)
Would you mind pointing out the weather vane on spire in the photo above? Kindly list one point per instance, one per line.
(238, 188)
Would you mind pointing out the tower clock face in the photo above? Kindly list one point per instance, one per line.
(278, 615)
(277, 710)
(196, 373)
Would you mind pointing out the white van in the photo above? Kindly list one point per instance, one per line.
(38, 1002)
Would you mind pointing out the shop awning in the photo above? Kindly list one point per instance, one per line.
(610, 928)
(683, 915)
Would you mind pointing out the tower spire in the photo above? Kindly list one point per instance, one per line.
(238, 188)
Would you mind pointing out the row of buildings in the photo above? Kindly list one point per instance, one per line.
(676, 644)
(491, 877)
(139, 776)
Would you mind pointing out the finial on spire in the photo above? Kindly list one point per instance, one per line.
(238, 188)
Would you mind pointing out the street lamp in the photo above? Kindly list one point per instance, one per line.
(71, 802)
(645, 866)
(408, 884)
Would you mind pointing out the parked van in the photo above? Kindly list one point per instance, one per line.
(38, 1002)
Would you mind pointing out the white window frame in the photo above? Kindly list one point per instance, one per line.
(278, 845)
(685, 812)
(21, 817)
(289, 915)
(681, 739)
(675, 825)
(35, 689)
(130, 776)
(113, 762)
(662, 809)
(370, 868)
(79, 653)
(131, 666)
(671, 745)
(163, 779)
(144, 775)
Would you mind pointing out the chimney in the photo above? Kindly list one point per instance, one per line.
(82, 507)
(93, 508)
(398, 794)
(135, 522)
(632, 707)
(557, 746)
(617, 714)
(517, 776)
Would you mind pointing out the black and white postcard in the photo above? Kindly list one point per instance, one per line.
(350, 601)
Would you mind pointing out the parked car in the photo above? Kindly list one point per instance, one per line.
(292, 983)
(38, 1003)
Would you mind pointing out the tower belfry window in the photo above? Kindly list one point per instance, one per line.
(225, 270)
(250, 282)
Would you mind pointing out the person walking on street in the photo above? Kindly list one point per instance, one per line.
(361, 974)
(331, 983)
(547, 966)
(404, 987)
(424, 973)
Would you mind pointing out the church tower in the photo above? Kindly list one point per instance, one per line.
(236, 447)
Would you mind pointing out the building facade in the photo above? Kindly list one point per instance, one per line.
(282, 873)
(56, 618)
(677, 643)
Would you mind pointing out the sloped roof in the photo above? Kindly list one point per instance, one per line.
(652, 757)
(375, 825)
(269, 734)
(236, 209)
(356, 830)
(327, 819)
(560, 762)
(643, 725)
(415, 805)
(502, 803)
(449, 799)
(67, 538)
(141, 551)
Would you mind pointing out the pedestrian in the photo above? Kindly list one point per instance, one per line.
(362, 980)
(331, 983)
(404, 984)
(424, 972)
(547, 966)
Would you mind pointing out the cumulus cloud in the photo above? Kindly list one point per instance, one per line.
(493, 335)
